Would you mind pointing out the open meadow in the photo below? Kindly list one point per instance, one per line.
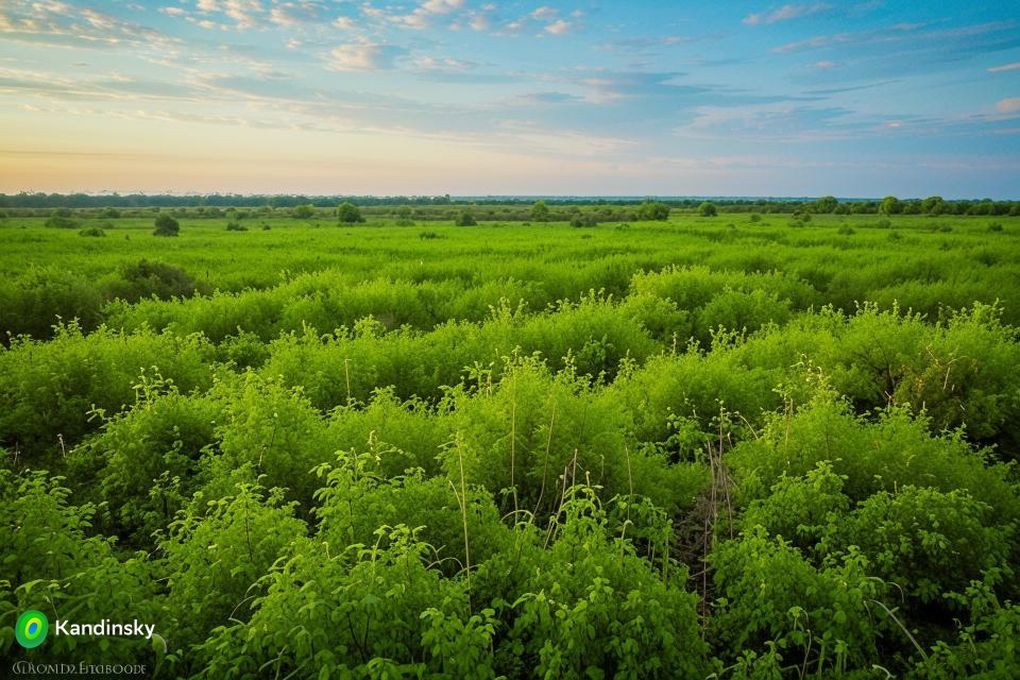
(560, 444)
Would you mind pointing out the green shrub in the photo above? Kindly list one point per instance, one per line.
(62, 222)
(217, 555)
(927, 542)
(166, 226)
(61, 569)
(366, 611)
(154, 279)
(348, 213)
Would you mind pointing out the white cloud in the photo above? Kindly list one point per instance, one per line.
(172, 11)
(480, 22)
(559, 27)
(344, 23)
(543, 13)
(441, 6)
(1005, 67)
(1008, 105)
(362, 57)
(825, 64)
(421, 16)
(243, 12)
(785, 13)
(445, 65)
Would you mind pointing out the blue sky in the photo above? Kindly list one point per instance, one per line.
(463, 97)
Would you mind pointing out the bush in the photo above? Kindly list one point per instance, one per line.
(580, 219)
(769, 596)
(166, 226)
(650, 210)
(155, 279)
(378, 612)
(236, 226)
(92, 231)
(348, 213)
(465, 219)
(708, 209)
(61, 222)
(216, 557)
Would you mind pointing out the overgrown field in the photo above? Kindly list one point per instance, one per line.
(741, 446)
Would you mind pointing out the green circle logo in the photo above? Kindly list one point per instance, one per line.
(31, 629)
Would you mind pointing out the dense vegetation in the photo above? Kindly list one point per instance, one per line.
(693, 443)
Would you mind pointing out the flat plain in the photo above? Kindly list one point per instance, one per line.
(742, 446)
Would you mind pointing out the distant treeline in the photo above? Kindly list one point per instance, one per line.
(935, 205)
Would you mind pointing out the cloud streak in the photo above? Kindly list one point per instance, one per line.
(785, 13)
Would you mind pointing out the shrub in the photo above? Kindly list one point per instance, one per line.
(92, 231)
(589, 606)
(166, 226)
(62, 568)
(580, 219)
(652, 210)
(61, 222)
(216, 557)
(465, 219)
(769, 596)
(356, 502)
(348, 213)
(378, 612)
(926, 541)
(708, 209)
(155, 279)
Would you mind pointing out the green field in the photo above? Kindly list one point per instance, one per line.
(741, 446)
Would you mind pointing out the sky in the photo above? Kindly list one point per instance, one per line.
(479, 97)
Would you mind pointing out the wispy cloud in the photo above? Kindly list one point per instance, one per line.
(422, 16)
(443, 64)
(1009, 105)
(785, 13)
(559, 27)
(365, 56)
(1005, 67)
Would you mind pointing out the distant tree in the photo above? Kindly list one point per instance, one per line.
(304, 212)
(166, 226)
(825, 204)
(708, 209)
(110, 213)
(466, 219)
(890, 205)
(404, 212)
(653, 210)
(933, 205)
(540, 212)
(348, 213)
